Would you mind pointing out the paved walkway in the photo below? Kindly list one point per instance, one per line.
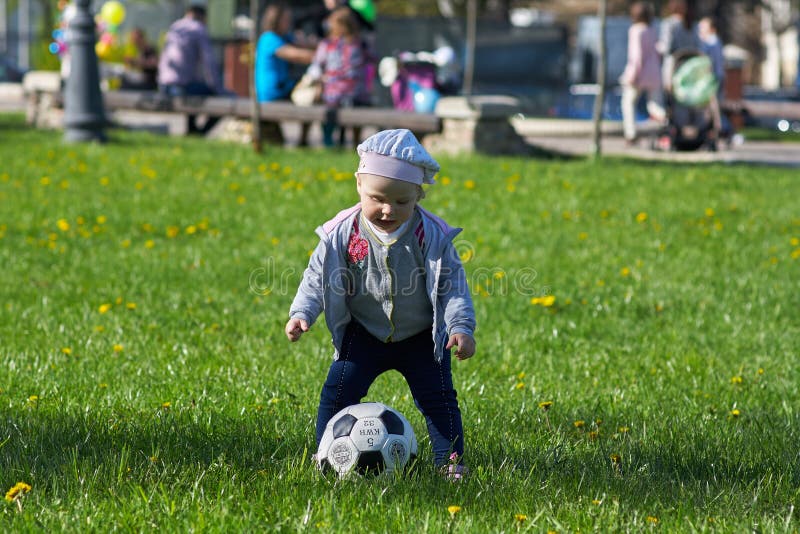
(574, 138)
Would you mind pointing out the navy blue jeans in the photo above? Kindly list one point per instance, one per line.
(364, 357)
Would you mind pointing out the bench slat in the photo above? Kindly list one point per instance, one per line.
(270, 111)
(390, 118)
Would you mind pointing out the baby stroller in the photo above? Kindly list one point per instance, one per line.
(417, 80)
(690, 105)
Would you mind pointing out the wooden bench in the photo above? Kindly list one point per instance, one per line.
(44, 104)
(271, 113)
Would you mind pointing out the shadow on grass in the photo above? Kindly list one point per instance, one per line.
(47, 445)
(687, 470)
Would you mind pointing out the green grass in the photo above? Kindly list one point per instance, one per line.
(674, 338)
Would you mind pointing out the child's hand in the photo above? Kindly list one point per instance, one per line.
(464, 344)
(295, 328)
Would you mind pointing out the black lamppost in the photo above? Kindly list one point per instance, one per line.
(84, 117)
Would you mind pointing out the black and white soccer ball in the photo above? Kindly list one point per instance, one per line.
(367, 438)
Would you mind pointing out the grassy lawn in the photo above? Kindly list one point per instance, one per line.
(145, 380)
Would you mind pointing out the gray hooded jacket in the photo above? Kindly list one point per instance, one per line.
(324, 284)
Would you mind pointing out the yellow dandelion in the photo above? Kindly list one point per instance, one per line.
(446, 180)
(33, 398)
(616, 459)
(104, 181)
(652, 519)
(625, 272)
(118, 348)
(191, 229)
(103, 308)
(760, 371)
(67, 351)
(101, 219)
(520, 518)
(736, 380)
(623, 430)
(149, 243)
(499, 275)
(579, 423)
(794, 242)
(583, 236)
(102, 385)
(546, 405)
(735, 413)
(641, 217)
(45, 180)
(469, 184)
(118, 300)
(519, 385)
(521, 375)
(130, 305)
(99, 328)
(63, 225)
(125, 243)
(709, 212)
(597, 502)
(17, 490)
(594, 434)
(166, 405)
(453, 510)
(173, 231)
(795, 253)
(546, 301)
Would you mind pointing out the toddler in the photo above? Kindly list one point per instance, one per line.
(393, 291)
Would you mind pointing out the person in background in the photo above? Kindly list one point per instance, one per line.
(642, 72)
(711, 45)
(339, 62)
(141, 62)
(274, 52)
(675, 34)
(313, 19)
(312, 22)
(187, 65)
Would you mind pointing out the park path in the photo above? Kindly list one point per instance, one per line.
(574, 138)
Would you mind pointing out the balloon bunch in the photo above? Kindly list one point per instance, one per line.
(66, 13)
(108, 47)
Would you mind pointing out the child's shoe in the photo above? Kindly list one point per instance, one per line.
(456, 472)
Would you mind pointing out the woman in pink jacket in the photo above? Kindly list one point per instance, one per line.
(642, 72)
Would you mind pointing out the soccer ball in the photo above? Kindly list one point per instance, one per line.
(367, 438)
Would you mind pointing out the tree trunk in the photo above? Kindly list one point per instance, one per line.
(469, 67)
(255, 120)
(597, 116)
